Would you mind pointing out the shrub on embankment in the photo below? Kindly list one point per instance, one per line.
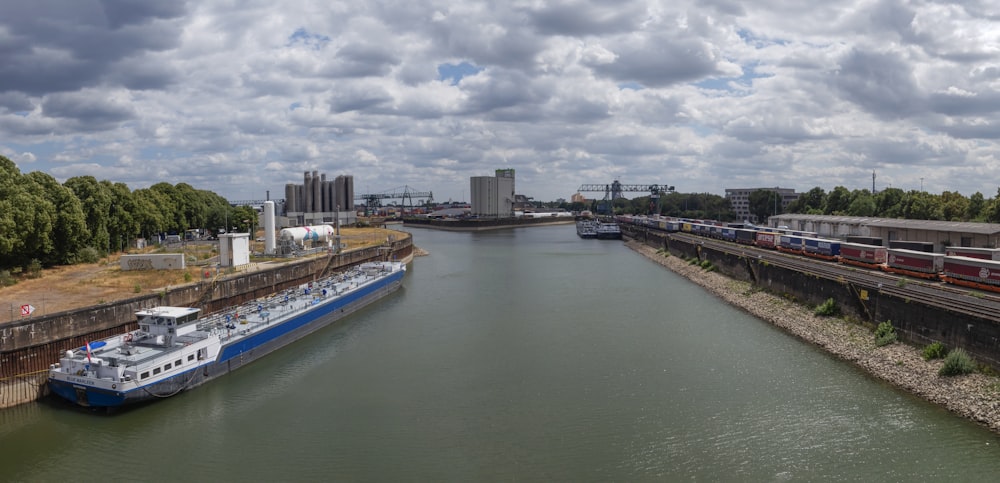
(934, 350)
(957, 362)
(826, 309)
(885, 334)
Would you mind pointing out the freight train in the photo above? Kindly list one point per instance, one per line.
(971, 267)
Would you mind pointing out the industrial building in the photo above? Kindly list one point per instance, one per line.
(318, 201)
(739, 200)
(493, 196)
(942, 233)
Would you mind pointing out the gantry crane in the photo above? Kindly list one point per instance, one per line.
(614, 191)
(404, 193)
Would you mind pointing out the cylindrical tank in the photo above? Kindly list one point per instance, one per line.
(306, 192)
(317, 204)
(269, 239)
(302, 234)
(290, 195)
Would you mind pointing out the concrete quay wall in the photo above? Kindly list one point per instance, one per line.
(28, 347)
(915, 323)
(485, 224)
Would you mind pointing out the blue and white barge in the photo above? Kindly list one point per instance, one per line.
(175, 348)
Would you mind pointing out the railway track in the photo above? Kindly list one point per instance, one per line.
(967, 301)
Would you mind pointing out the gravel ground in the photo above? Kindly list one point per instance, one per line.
(973, 396)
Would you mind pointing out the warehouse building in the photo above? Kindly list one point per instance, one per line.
(739, 200)
(942, 233)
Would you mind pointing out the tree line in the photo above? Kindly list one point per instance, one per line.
(896, 203)
(888, 203)
(48, 223)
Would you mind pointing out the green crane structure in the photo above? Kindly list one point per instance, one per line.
(614, 190)
(404, 193)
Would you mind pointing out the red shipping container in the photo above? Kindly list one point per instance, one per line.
(767, 239)
(914, 260)
(863, 253)
(975, 269)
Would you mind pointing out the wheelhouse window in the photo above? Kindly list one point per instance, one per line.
(156, 371)
(144, 375)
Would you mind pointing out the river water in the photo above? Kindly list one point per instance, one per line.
(526, 354)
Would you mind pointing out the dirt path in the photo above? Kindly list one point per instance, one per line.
(71, 287)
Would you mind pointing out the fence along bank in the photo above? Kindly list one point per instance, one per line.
(28, 347)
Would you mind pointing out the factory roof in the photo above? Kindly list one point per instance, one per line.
(932, 225)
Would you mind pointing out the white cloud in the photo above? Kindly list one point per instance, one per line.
(241, 98)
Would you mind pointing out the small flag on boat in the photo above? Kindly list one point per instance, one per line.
(27, 309)
(88, 352)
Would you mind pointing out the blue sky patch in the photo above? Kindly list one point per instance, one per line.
(724, 83)
(635, 86)
(457, 72)
(303, 37)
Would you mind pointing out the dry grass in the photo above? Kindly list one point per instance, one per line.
(69, 287)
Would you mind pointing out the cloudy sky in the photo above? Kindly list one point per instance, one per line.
(241, 97)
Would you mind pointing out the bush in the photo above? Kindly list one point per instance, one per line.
(34, 268)
(137, 288)
(934, 350)
(707, 265)
(88, 255)
(827, 308)
(187, 276)
(6, 279)
(957, 362)
(885, 334)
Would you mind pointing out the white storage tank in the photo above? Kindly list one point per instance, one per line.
(303, 234)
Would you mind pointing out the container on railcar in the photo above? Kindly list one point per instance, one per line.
(767, 239)
(745, 236)
(918, 246)
(790, 242)
(981, 253)
(973, 269)
(860, 252)
(865, 240)
(821, 246)
(916, 261)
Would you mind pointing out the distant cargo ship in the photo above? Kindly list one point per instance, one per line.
(586, 228)
(175, 349)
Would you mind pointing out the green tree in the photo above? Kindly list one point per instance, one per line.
(122, 223)
(862, 204)
(975, 209)
(919, 205)
(149, 214)
(810, 202)
(96, 201)
(69, 232)
(954, 206)
(172, 208)
(889, 203)
(764, 203)
(26, 218)
(838, 202)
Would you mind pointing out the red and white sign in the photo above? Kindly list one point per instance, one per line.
(26, 310)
